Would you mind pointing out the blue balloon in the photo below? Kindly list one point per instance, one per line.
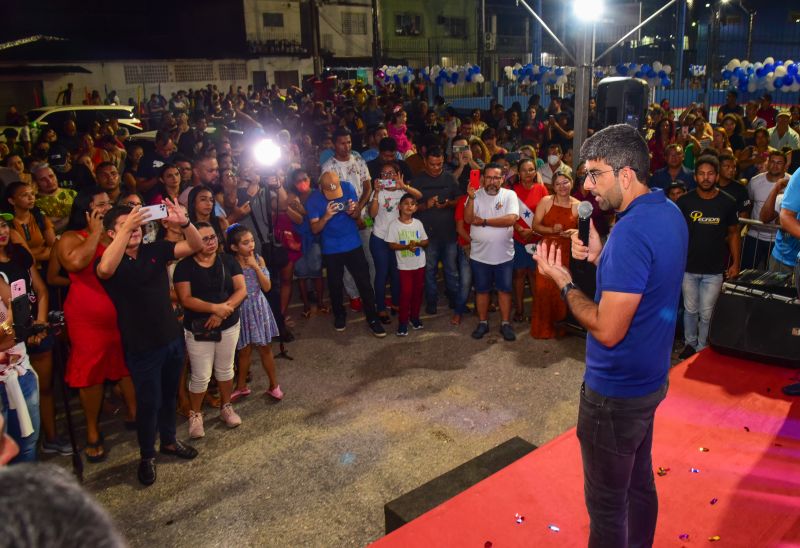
(778, 63)
(662, 74)
(622, 70)
(651, 73)
(666, 82)
(761, 72)
(559, 71)
(726, 74)
(477, 70)
(468, 77)
(638, 74)
(645, 68)
(769, 67)
(743, 84)
(778, 83)
(788, 80)
(791, 69)
(405, 78)
(632, 66)
(454, 78)
(542, 69)
(738, 72)
(751, 70)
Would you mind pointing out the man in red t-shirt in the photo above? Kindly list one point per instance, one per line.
(464, 269)
(530, 190)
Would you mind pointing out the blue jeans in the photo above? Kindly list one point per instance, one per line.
(155, 375)
(385, 262)
(30, 390)
(700, 292)
(446, 252)
(350, 285)
(616, 437)
(464, 282)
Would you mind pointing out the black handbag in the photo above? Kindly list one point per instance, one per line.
(202, 333)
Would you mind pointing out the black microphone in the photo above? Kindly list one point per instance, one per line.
(585, 210)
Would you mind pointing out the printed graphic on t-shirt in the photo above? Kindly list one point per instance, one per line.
(406, 235)
(697, 217)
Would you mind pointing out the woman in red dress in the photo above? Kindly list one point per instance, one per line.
(91, 318)
(554, 217)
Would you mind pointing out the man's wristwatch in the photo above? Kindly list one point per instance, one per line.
(566, 289)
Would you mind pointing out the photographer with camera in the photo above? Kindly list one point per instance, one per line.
(332, 213)
(19, 394)
(384, 208)
(135, 277)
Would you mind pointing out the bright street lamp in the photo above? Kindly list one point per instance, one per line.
(588, 10)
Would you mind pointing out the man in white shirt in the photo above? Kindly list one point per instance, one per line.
(352, 168)
(492, 212)
(782, 135)
(757, 243)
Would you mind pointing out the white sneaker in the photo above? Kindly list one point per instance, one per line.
(229, 416)
(196, 425)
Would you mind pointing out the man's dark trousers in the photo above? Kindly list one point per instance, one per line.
(356, 263)
(155, 375)
(616, 437)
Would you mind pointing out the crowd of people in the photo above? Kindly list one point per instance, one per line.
(173, 263)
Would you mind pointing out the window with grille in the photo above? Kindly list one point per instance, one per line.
(455, 27)
(407, 24)
(272, 19)
(194, 72)
(232, 71)
(354, 23)
(146, 74)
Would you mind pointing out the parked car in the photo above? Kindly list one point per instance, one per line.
(84, 115)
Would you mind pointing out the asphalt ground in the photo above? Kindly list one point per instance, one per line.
(364, 420)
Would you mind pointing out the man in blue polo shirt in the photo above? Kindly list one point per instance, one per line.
(332, 213)
(631, 325)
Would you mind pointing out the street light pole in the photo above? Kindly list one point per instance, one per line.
(583, 79)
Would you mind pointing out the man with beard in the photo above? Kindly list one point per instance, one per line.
(631, 326)
(713, 224)
(492, 212)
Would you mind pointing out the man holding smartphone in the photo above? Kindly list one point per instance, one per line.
(135, 277)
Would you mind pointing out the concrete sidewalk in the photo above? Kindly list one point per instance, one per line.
(364, 420)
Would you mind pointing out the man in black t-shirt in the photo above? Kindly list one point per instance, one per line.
(436, 212)
(727, 182)
(713, 233)
(151, 164)
(135, 277)
(731, 106)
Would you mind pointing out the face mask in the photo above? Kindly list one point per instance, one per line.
(552, 159)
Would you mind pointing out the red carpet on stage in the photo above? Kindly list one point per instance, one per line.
(751, 472)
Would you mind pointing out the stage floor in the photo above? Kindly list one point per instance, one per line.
(746, 490)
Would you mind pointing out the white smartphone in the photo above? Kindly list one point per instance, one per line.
(156, 212)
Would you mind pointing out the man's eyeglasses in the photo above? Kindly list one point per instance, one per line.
(133, 204)
(593, 174)
(209, 239)
(493, 177)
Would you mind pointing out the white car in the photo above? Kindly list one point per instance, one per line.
(84, 115)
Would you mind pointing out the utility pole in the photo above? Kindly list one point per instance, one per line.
(481, 36)
(583, 79)
(376, 37)
(680, 39)
(315, 37)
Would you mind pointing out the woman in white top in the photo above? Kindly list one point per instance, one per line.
(389, 188)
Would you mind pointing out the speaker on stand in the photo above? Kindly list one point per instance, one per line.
(623, 100)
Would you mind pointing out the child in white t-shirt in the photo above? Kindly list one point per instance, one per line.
(407, 237)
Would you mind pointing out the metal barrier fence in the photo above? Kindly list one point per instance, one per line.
(758, 239)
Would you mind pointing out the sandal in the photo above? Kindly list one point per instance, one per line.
(288, 321)
(307, 313)
(519, 317)
(98, 445)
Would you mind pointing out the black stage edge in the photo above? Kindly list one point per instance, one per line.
(429, 495)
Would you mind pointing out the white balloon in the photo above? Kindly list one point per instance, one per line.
(795, 86)
(780, 71)
(751, 86)
(769, 61)
(517, 66)
(770, 85)
(667, 69)
(788, 62)
(744, 64)
(770, 76)
(733, 63)
(758, 65)
(657, 66)
(479, 78)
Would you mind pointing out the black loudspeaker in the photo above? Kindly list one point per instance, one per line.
(753, 327)
(623, 100)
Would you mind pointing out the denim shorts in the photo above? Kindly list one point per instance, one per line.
(310, 264)
(484, 276)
